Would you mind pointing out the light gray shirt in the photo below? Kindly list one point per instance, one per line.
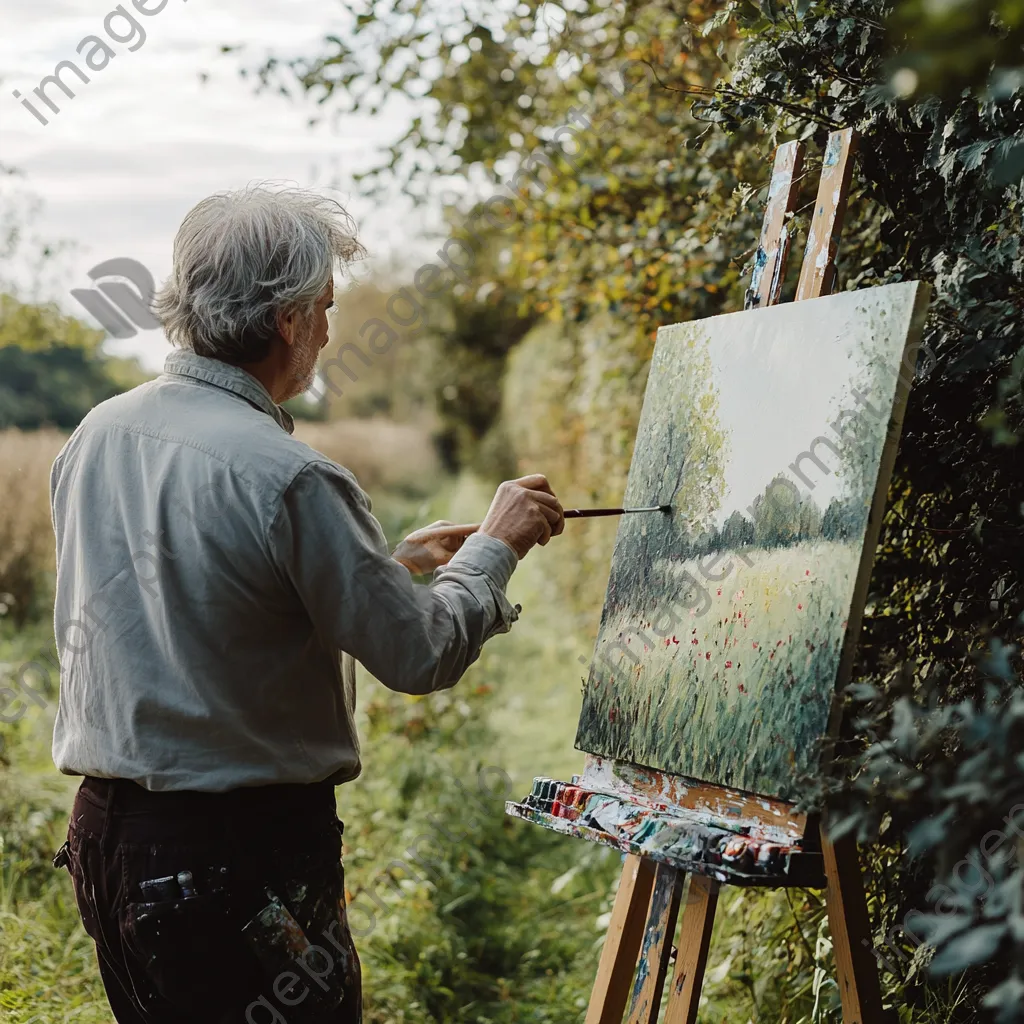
(215, 579)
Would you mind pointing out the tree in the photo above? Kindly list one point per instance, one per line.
(737, 532)
(52, 370)
(809, 520)
(678, 460)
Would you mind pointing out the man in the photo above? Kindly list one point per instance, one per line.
(215, 579)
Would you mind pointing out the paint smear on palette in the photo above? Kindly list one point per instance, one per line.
(723, 624)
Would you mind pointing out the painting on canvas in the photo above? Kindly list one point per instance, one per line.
(723, 624)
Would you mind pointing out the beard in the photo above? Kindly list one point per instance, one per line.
(305, 353)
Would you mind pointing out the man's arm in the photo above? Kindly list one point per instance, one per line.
(415, 639)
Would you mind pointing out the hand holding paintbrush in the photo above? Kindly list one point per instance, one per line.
(523, 513)
(426, 549)
(445, 529)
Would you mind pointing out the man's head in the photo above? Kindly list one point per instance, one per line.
(252, 281)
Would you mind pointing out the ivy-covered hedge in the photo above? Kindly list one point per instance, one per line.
(649, 212)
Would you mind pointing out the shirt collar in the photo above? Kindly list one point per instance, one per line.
(230, 378)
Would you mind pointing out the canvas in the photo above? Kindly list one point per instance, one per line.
(724, 622)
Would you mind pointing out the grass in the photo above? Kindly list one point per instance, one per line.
(506, 929)
(26, 536)
(487, 930)
(386, 457)
(739, 695)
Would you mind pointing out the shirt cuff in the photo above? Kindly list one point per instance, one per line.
(489, 555)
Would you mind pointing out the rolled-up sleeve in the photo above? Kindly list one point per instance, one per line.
(413, 638)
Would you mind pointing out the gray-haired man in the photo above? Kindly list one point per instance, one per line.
(212, 571)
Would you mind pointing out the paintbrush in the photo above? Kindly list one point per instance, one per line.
(570, 513)
(586, 513)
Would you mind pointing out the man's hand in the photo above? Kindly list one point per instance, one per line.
(524, 512)
(427, 549)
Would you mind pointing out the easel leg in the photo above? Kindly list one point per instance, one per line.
(692, 955)
(657, 945)
(622, 946)
(851, 933)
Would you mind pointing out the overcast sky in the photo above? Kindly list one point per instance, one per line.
(145, 139)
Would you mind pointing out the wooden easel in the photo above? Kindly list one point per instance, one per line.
(646, 909)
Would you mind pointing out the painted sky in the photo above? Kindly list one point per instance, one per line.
(146, 139)
(786, 393)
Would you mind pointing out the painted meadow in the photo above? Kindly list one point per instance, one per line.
(724, 622)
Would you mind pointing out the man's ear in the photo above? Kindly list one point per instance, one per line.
(287, 324)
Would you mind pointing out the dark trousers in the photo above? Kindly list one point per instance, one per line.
(242, 917)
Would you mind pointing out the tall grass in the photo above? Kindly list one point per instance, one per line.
(26, 534)
(384, 456)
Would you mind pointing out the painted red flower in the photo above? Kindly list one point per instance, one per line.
(728, 664)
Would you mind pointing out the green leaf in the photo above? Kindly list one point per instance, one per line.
(928, 834)
(971, 947)
(1008, 162)
(973, 156)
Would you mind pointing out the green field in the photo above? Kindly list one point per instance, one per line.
(740, 694)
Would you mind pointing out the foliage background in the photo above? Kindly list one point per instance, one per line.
(650, 219)
(649, 216)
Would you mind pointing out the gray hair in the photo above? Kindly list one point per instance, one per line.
(241, 258)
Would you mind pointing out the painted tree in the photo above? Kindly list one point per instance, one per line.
(737, 532)
(679, 459)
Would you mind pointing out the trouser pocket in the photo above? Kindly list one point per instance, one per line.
(190, 950)
(290, 956)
